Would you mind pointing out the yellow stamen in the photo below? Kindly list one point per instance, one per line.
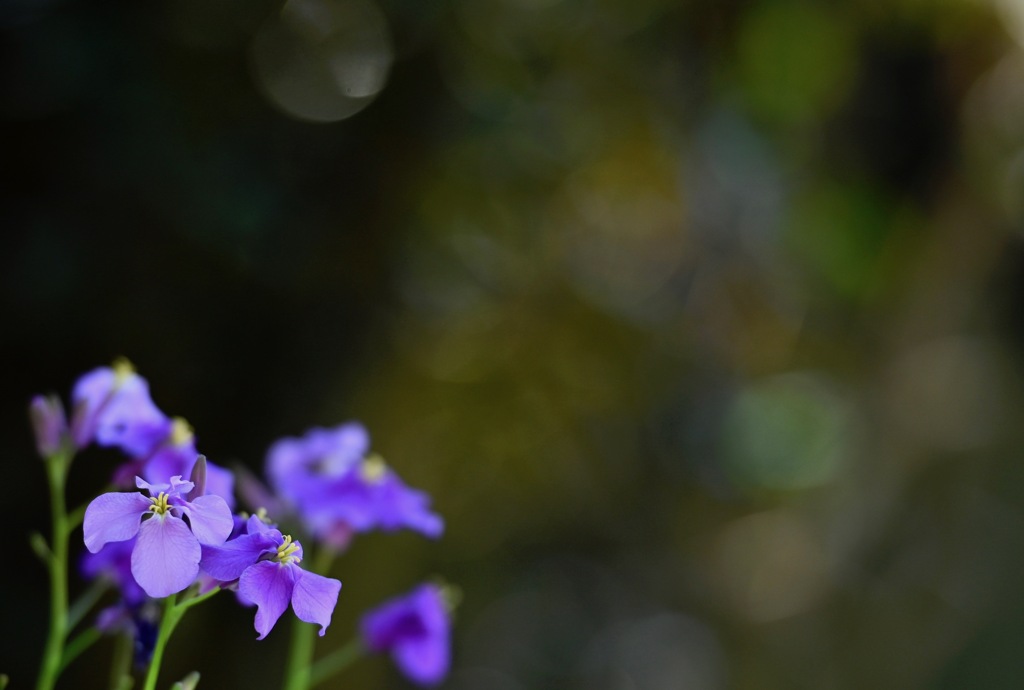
(159, 506)
(286, 551)
(122, 370)
(373, 469)
(181, 432)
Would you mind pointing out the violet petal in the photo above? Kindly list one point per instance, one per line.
(113, 517)
(268, 585)
(314, 598)
(210, 518)
(166, 556)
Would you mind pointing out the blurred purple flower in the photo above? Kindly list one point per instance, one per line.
(166, 555)
(336, 489)
(140, 621)
(371, 496)
(415, 629)
(112, 407)
(265, 563)
(298, 467)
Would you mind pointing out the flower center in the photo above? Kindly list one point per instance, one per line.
(123, 369)
(373, 469)
(159, 506)
(181, 432)
(286, 551)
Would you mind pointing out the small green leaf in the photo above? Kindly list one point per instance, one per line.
(189, 682)
(40, 548)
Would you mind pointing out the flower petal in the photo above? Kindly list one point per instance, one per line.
(424, 660)
(166, 556)
(314, 598)
(268, 585)
(210, 518)
(113, 517)
(228, 561)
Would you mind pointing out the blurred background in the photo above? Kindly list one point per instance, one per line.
(702, 322)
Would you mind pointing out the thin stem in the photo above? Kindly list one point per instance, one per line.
(173, 613)
(300, 654)
(167, 624)
(79, 644)
(120, 666)
(198, 599)
(335, 662)
(86, 601)
(56, 471)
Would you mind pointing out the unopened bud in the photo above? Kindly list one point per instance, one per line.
(198, 478)
(49, 424)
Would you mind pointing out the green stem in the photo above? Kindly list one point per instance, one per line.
(84, 603)
(120, 666)
(336, 661)
(300, 654)
(56, 471)
(173, 613)
(167, 624)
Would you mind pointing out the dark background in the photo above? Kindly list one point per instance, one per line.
(701, 321)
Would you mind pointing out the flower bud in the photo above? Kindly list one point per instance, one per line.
(49, 424)
(198, 478)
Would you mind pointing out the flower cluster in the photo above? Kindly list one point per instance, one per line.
(175, 539)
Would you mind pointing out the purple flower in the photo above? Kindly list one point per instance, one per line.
(112, 407)
(265, 563)
(336, 489)
(49, 424)
(297, 467)
(371, 496)
(166, 556)
(415, 629)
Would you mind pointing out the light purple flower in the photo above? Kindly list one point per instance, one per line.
(265, 563)
(112, 407)
(371, 496)
(415, 628)
(166, 556)
(297, 467)
(336, 489)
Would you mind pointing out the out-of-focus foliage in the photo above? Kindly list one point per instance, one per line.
(701, 321)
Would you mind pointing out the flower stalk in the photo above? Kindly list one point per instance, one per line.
(56, 474)
(298, 671)
(172, 615)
